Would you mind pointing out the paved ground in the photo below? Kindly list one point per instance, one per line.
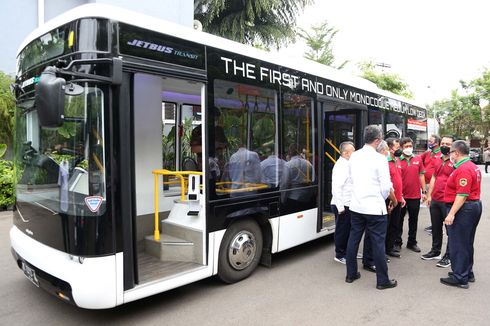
(304, 287)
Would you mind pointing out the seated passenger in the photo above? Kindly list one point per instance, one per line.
(274, 171)
(244, 167)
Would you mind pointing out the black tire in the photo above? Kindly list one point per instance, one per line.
(237, 264)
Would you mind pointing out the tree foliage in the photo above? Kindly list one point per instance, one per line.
(389, 82)
(462, 115)
(267, 22)
(7, 109)
(320, 43)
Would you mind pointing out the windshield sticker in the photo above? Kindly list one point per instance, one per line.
(93, 203)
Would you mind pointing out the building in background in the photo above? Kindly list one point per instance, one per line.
(19, 18)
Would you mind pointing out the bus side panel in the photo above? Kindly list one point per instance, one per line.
(298, 228)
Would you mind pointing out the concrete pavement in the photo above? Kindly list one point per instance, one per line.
(304, 287)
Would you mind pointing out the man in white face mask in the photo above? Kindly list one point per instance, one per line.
(413, 181)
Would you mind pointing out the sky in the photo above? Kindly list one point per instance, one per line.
(430, 44)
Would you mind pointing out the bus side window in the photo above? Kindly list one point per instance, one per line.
(245, 138)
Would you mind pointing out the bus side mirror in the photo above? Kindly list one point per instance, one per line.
(50, 99)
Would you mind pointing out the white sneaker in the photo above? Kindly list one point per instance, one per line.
(339, 260)
(359, 255)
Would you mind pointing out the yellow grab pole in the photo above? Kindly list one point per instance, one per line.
(333, 145)
(330, 157)
(156, 234)
(182, 184)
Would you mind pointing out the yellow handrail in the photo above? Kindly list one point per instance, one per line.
(245, 186)
(180, 174)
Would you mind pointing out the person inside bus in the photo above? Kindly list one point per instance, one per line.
(274, 170)
(190, 164)
(300, 173)
(243, 170)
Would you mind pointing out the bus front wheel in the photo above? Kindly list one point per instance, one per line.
(240, 251)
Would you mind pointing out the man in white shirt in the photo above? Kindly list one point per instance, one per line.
(341, 192)
(371, 186)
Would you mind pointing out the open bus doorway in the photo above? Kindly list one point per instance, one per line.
(340, 124)
(168, 137)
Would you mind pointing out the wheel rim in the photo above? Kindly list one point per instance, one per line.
(242, 250)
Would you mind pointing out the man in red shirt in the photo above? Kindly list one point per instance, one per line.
(413, 184)
(431, 158)
(435, 201)
(462, 195)
(396, 180)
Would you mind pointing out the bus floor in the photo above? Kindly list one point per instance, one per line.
(151, 268)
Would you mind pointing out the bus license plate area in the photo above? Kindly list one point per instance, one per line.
(30, 274)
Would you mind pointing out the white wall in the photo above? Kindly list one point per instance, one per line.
(148, 138)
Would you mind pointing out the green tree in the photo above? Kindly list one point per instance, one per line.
(459, 115)
(266, 22)
(389, 82)
(7, 110)
(319, 42)
(481, 89)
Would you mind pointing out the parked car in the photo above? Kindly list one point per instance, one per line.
(475, 155)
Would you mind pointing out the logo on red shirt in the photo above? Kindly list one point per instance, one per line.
(463, 182)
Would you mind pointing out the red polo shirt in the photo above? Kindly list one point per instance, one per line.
(396, 177)
(431, 159)
(464, 181)
(443, 168)
(412, 167)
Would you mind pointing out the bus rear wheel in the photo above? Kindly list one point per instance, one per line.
(240, 251)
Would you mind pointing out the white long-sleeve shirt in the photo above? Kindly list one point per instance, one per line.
(341, 184)
(371, 182)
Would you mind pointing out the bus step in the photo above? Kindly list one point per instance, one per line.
(170, 248)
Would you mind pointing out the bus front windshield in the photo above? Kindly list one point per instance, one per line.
(63, 169)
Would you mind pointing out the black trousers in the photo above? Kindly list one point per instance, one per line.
(438, 213)
(393, 226)
(342, 230)
(413, 208)
(461, 240)
(375, 227)
(486, 166)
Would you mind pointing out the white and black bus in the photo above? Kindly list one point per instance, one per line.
(149, 155)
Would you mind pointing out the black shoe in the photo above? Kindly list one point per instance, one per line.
(431, 255)
(452, 282)
(444, 262)
(350, 280)
(389, 285)
(428, 228)
(397, 248)
(414, 248)
(393, 253)
(471, 278)
(370, 268)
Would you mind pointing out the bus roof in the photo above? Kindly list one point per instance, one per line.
(96, 10)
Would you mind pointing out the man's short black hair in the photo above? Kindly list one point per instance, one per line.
(406, 140)
(391, 141)
(437, 139)
(449, 136)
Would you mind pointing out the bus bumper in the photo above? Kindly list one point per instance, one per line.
(90, 283)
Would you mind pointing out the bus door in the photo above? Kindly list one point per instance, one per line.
(168, 167)
(339, 125)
